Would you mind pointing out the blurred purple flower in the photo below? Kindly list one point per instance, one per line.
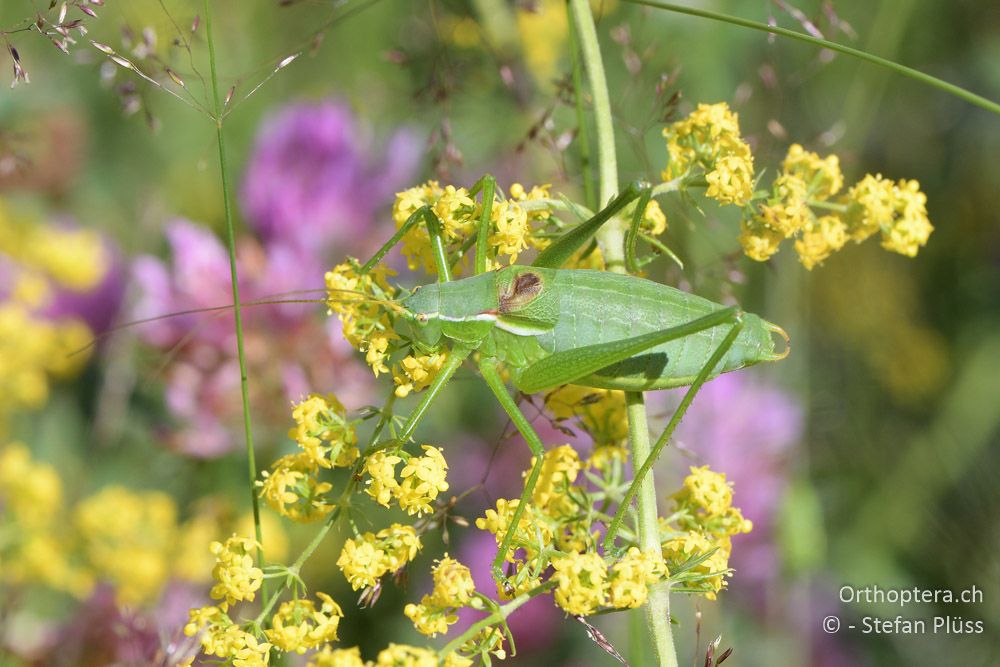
(290, 351)
(103, 633)
(746, 428)
(314, 180)
(98, 307)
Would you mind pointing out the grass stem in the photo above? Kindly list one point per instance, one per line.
(234, 277)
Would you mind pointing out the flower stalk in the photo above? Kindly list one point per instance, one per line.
(611, 239)
(217, 117)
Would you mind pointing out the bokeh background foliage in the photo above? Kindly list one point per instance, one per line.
(872, 450)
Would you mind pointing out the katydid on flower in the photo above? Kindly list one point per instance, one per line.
(548, 326)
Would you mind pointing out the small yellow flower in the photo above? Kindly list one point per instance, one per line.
(30, 492)
(582, 583)
(759, 240)
(910, 228)
(218, 635)
(403, 655)
(601, 412)
(871, 203)
(707, 490)
(731, 181)
(381, 469)
(820, 238)
(340, 657)
(292, 489)
(362, 561)
(248, 652)
(822, 176)
(323, 431)
(299, 626)
(654, 221)
(453, 585)
(416, 373)
(423, 479)
(236, 576)
(532, 532)
(429, 620)
(560, 467)
(366, 559)
(709, 139)
(512, 230)
(632, 576)
(695, 544)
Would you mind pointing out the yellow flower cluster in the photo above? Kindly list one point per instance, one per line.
(898, 210)
(584, 583)
(327, 439)
(396, 655)
(581, 580)
(337, 657)
(357, 300)
(600, 412)
(708, 142)
(323, 431)
(220, 636)
(214, 518)
(292, 488)
(416, 372)
(127, 537)
(36, 547)
(33, 348)
(368, 326)
(560, 518)
(704, 519)
(72, 258)
(809, 182)
(236, 576)
(366, 559)
(459, 214)
(654, 220)
(453, 589)
(552, 518)
(298, 625)
(423, 478)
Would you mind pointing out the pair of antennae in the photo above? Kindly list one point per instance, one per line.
(277, 299)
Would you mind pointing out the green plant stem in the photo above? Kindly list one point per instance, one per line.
(658, 605)
(611, 238)
(932, 81)
(500, 614)
(612, 234)
(589, 195)
(234, 277)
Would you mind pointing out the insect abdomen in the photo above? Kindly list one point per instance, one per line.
(598, 307)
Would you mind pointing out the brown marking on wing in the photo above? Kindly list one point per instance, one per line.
(526, 286)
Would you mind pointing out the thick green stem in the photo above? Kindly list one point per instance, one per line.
(234, 277)
(658, 605)
(611, 238)
(581, 121)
